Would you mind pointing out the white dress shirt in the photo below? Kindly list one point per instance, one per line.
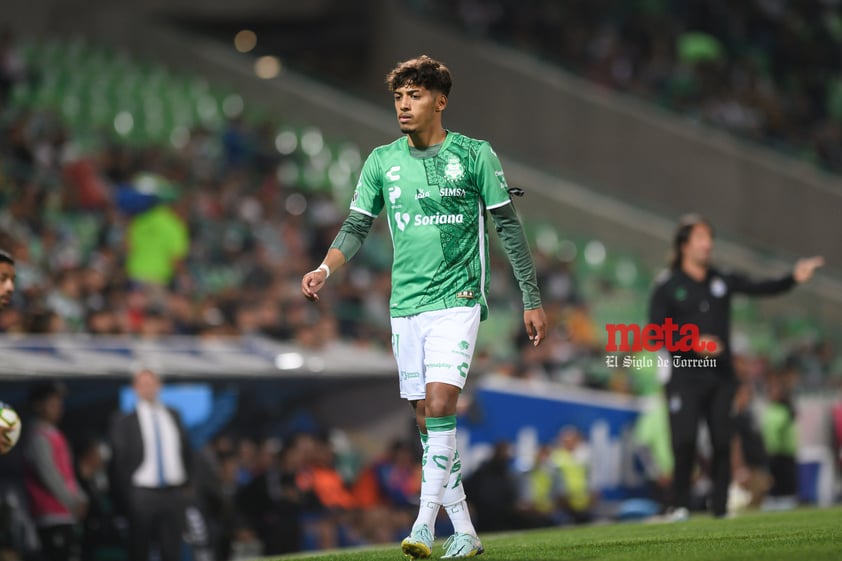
(147, 474)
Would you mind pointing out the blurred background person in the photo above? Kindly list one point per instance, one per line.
(541, 491)
(572, 456)
(104, 536)
(781, 441)
(694, 293)
(152, 469)
(56, 498)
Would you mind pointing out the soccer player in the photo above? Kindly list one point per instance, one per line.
(7, 289)
(435, 186)
(693, 292)
(7, 278)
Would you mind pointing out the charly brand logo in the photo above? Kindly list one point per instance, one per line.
(392, 174)
(675, 338)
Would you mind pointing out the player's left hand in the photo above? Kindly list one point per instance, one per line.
(804, 268)
(536, 325)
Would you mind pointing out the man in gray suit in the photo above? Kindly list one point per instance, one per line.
(152, 471)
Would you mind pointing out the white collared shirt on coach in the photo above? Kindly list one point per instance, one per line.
(147, 474)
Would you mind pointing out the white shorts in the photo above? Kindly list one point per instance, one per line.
(434, 346)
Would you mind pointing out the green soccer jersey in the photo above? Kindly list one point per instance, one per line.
(436, 211)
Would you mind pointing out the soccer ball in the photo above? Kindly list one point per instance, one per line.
(9, 419)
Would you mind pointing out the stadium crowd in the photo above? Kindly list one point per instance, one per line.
(766, 70)
(208, 239)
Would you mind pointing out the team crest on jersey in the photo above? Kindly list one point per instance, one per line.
(718, 287)
(453, 170)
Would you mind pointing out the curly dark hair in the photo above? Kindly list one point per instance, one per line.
(422, 71)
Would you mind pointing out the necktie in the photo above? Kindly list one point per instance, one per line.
(159, 449)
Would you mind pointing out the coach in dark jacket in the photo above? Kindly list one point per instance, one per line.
(151, 470)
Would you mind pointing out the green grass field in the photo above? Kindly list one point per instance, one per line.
(802, 535)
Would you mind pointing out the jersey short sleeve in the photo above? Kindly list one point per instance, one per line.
(368, 195)
(490, 179)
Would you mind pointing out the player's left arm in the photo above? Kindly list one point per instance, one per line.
(516, 247)
(802, 272)
(494, 190)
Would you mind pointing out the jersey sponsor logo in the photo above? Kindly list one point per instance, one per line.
(437, 219)
(421, 194)
(451, 192)
(453, 170)
(502, 179)
(394, 194)
(441, 365)
(401, 220)
(392, 174)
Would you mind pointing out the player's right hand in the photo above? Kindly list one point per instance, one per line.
(312, 283)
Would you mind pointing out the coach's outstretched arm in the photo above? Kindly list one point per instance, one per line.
(513, 239)
(348, 241)
(801, 273)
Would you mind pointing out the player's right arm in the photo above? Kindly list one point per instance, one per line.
(366, 204)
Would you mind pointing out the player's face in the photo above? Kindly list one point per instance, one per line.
(7, 283)
(699, 245)
(417, 108)
(147, 386)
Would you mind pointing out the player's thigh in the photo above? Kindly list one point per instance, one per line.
(450, 337)
(408, 348)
